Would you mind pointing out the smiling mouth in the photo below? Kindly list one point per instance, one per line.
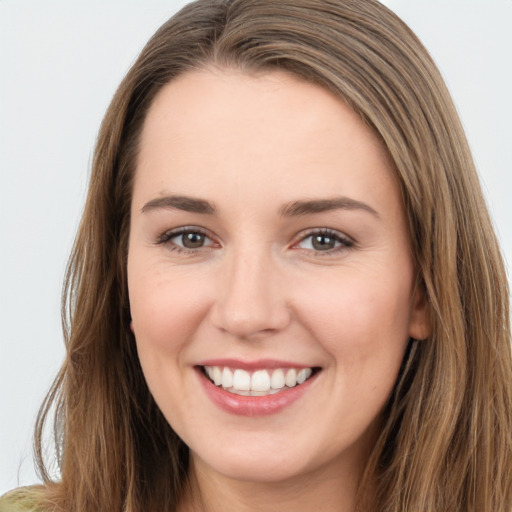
(262, 382)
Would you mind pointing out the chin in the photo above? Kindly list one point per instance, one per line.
(261, 470)
(260, 459)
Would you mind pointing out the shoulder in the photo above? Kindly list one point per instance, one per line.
(23, 499)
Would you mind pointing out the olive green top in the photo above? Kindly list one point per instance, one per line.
(23, 499)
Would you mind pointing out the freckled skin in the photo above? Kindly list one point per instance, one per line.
(257, 288)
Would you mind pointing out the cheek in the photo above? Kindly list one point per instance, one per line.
(165, 312)
(363, 326)
(165, 315)
(360, 320)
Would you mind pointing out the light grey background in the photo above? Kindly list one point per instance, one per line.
(60, 63)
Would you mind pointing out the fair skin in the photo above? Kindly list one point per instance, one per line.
(268, 236)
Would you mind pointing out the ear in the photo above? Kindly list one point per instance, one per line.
(420, 326)
(131, 326)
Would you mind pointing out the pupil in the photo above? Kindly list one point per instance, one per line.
(193, 240)
(323, 243)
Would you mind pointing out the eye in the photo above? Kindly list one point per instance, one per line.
(187, 239)
(324, 240)
(190, 240)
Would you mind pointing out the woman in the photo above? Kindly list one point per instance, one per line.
(285, 290)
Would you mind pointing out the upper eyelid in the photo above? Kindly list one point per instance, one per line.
(324, 231)
(165, 236)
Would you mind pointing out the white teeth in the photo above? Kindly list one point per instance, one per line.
(227, 378)
(260, 383)
(242, 380)
(291, 378)
(242, 392)
(277, 379)
(303, 374)
(217, 376)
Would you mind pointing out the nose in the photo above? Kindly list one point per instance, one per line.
(251, 300)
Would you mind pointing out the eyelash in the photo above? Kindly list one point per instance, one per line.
(343, 241)
(166, 237)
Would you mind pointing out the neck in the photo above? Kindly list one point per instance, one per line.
(330, 488)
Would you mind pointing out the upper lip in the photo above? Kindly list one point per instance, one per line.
(258, 364)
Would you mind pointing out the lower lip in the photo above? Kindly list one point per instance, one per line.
(253, 405)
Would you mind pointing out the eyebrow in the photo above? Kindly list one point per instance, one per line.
(293, 209)
(309, 207)
(185, 203)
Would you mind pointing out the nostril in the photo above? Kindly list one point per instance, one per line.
(250, 320)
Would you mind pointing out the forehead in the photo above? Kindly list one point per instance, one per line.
(236, 132)
(253, 105)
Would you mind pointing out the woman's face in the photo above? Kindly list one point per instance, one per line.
(268, 245)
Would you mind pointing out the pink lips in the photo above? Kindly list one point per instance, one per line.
(270, 364)
(252, 405)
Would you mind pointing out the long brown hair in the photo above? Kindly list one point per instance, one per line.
(446, 432)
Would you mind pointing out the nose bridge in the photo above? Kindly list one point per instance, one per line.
(251, 300)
